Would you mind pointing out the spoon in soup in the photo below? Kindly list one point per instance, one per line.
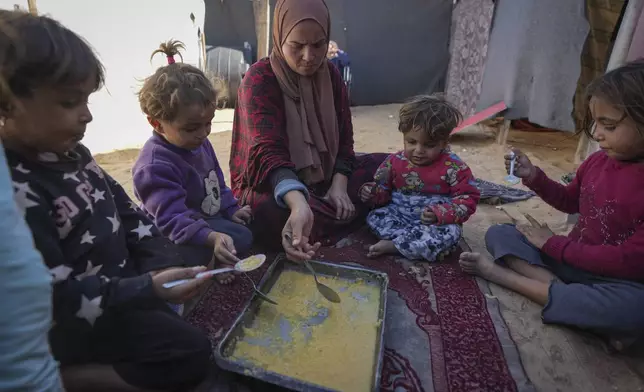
(326, 291)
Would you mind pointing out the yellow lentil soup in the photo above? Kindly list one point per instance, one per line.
(311, 339)
(252, 262)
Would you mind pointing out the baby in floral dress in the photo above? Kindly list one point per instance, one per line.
(424, 192)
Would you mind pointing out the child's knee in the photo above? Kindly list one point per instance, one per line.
(500, 233)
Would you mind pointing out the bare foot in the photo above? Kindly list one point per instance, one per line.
(476, 264)
(486, 268)
(382, 247)
(225, 278)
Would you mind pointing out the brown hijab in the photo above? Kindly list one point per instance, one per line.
(311, 120)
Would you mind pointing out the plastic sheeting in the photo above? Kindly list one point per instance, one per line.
(397, 48)
(533, 60)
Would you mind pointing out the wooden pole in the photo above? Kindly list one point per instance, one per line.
(33, 9)
(262, 13)
(502, 137)
(202, 47)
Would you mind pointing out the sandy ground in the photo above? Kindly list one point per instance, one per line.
(556, 359)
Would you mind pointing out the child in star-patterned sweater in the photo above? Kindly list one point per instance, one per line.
(107, 259)
(425, 193)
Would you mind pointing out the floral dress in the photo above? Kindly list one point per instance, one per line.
(405, 190)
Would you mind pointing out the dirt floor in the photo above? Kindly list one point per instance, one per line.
(556, 359)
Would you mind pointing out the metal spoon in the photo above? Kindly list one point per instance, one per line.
(261, 295)
(326, 291)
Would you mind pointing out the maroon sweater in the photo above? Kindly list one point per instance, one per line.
(608, 239)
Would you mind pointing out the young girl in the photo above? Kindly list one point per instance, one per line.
(112, 329)
(427, 190)
(177, 176)
(25, 282)
(593, 277)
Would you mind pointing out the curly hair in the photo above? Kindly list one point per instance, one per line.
(623, 88)
(174, 86)
(431, 113)
(42, 52)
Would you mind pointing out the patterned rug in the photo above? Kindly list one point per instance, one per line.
(444, 332)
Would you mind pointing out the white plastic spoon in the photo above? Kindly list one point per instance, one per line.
(248, 264)
(511, 178)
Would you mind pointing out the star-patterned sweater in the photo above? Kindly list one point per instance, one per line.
(448, 176)
(95, 241)
(180, 189)
(608, 238)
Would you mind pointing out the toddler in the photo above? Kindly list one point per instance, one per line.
(425, 190)
(177, 175)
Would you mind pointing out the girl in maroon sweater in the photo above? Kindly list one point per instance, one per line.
(593, 278)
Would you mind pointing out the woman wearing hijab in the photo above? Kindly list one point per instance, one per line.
(292, 157)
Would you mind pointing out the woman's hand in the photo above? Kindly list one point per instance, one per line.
(337, 195)
(181, 293)
(523, 168)
(243, 216)
(297, 230)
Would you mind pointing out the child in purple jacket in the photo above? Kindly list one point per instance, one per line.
(177, 176)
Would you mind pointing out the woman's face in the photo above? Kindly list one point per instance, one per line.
(305, 47)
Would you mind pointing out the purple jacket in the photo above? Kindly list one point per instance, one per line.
(180, 189)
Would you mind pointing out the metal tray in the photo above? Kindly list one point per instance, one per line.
(227, 344)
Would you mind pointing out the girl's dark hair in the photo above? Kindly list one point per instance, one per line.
(46, 53)
(174, 86)
(623, 88)
(431, 113)
(8, 60)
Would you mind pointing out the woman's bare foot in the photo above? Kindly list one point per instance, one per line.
(382, 247)
(477, 264)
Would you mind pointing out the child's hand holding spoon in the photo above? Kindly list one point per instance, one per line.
(518, 166)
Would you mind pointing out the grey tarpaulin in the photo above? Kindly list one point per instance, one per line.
(533, 60)
(397, 48)
(229, 23)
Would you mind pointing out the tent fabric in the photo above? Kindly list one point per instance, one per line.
(636, 50)
(533, 59)
(471, 23)
(603, 18)
(397, 48)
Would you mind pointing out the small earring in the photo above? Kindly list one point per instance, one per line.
(2, 122)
